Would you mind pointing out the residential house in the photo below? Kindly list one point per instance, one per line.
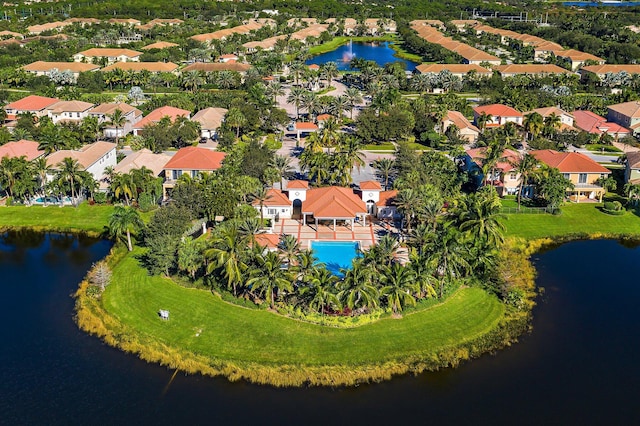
(49, 26)
(111, 55)
(593, 123)
(566, 119)
(370, 193)
(471, 55)
(21, 148)
(103, 113)
(626, 114)
(386, 205)
(124, 21)
(631, 171)
(143, 158)
(46, 68)
(276, 206)
(601, 71)
(577, 58)
(152, 67)
(542, 51)
(227, 32)
(10, 34)
(581, 170)
(158, 114)
(191, 161)
(466, 130)
(210, 120)
(461, 24)
(217, 66)
(458, 70)
(497, 115)
(94, 158)
(503, 175)
(33, 104)
(228, 58)
(267, 44)
(68, 111)
(537, 70)
(160, 45)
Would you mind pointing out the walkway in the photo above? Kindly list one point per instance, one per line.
(366, 235)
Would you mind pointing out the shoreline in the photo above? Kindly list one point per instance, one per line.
(394, 43)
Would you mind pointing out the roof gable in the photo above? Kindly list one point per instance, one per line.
(196, 158)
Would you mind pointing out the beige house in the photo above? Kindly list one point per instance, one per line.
(68, 111)
(45, 68)
(210, 120)
(503, 176)
(49, 26)
(143, 158)
(94, 158)
(191, 161)
(466, 130)
(538, 70)
(626, 114)
(458, 70)
(497, 115)
(152, 67)
(632, 168)
(566, 119)
(577, 58)
(111, 55)
(581, 170)
(217, 66)
(103, 113)
(160, 45)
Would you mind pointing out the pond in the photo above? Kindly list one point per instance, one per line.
(380, 52)
(577, 367)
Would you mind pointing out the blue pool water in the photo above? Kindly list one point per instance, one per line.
(335, 254)
(381, 53)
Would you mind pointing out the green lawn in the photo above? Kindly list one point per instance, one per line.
(582, 218)
(53, 218)
(239, 335)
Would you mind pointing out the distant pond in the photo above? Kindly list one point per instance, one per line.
(380, 52)
(579, 366)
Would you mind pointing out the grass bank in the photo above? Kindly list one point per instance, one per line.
(209, 336)
(84, 218)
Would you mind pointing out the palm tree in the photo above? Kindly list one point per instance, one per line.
(399, 286)
(533, 124)
(357, 289)
(385, 249)
(122, 221)
(296, 96)
(118, 120)
(352, 154)
(552, 123)
(297, 68)
(227, 253)
(338, 105)
(633, 192)
(42, 169)
(330, 71)
(270, 278)
(482, 120)
(283, 165)
(9, 173)
(354, 97)
(423, 275)
(123, 184)
(190, 256)
(274, 90)
(235, 118)
(447, 255)
(290, 247)
(384, 167)
(69, 169)
(261, 195)
(311, 102)
(480, 216)
(406, 202)
(524, 167)
(226, 79)
(191, 81)
(318, 290)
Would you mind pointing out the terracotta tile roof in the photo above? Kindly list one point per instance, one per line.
(460, 121)
(82, 20)
(37, 29)
(314, 67)
(86, 156)
(144, 157)
(210, 118)
(110, 108)
(11, 34)
(127, 21)
(387, 198)
(454, 68)
(69, 106)
(159, 45)
(305, 125)
(497, 110)
(196, 158)
(275, 198)
(224, 33)
(42, 66)
(628, 109)
(159, 113)
(333, 202)
(370, 185)
(32, 103)
(270, 241)
(530, 69)
(228, 56)
(217, 66)
(140, 66)
(576, 55)
(569, 162)
(267, 43)
(324, 117)
(633, 159)
(99, 52)
(297, 184)
(171, 21)
(505, 164)
(593, 123)
(547, 111)
(615, 69)
(21, 148)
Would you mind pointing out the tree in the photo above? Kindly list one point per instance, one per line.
(118, 120)
(283, 165)
(319, 291)
(296, 97)
(227, 253)
(447, 256)
(123, 184)
(633, 192)
(357, 289)
(235, 118)
(289, 246)
(533, 124)
(16, 176)
(480, 217)
(270, 278)
(525, 166)
(399, 287)
(122, 221)
(354, 97)
(100, 274)
(190, 256)
(330, 71)
(384, 167)
(553, 186)
(261, 195)
(69, 169)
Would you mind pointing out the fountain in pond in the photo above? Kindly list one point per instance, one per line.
(348, 56)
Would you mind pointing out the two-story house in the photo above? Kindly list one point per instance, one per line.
(626, 114)
(191, 161)
(502, 175)
(158, 114)
(632, 168)
(581, 170)
(210, 120)
(496, 115)
(93, 158)
(33, 104)
(111, 55)
(68, 111)
(103, 113)
(593, 123)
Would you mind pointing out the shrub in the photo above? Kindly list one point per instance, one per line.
(613, 208)
(100, 197)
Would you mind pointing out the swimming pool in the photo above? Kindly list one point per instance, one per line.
(336, 254)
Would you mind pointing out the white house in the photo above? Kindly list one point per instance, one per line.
(103, 113)
(67, 111)
(93, 158)
(277, 206)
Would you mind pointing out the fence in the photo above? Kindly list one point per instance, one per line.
(526, 210)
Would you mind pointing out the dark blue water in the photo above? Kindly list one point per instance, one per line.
(381, 53)
(600, 4)
(578, 367)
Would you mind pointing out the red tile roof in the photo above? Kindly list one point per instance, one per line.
(297, 184)
(569, 162)
(195, 158)
(498, 110)
(593, 123)
(333, 202)
(32, 103)
(387, 198)
(271, 241)
(275, 198)
(323, 117)
(157, 115)
(505, 164)
(304, 125)
(314, 67)
(21, 148)
(370, 185)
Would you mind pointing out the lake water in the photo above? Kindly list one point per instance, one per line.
(601, 4)
(380, 52)
(578, 367)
